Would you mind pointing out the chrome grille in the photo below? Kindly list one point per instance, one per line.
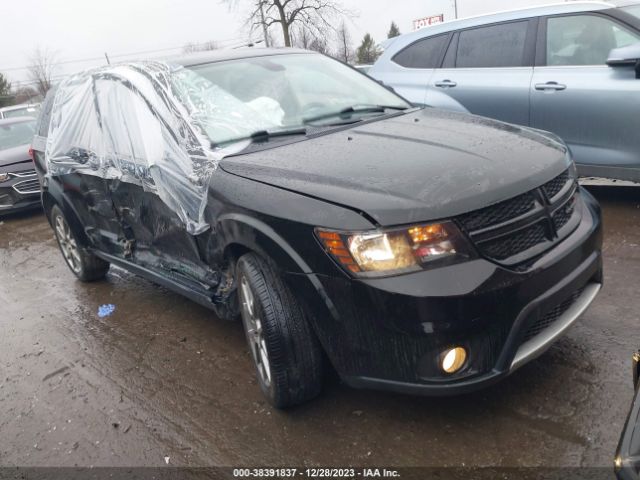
(27, 187)
(516, 231)
(24, 174)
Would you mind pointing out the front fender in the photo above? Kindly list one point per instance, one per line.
(257, 236)
(251, 234)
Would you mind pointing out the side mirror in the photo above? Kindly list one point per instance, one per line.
(388, 87)
(636, 369)
(80, 155)
(626, 56)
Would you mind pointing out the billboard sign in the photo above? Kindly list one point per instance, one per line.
(426, 21)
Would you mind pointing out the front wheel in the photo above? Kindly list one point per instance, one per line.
(84, 265)
(285, 351)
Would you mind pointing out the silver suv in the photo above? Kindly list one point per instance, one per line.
(572, 69)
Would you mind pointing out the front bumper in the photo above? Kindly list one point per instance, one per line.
(389, 333)
(20, 192)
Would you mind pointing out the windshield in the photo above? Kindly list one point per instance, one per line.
(633, 10)
(16, 134)
(235, 99)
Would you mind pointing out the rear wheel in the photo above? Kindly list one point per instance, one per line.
(84, 265)
(285, 351)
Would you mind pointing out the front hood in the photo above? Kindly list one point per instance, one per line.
(14, 155)
(426, 165)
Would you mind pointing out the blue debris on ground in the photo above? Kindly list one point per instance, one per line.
(106, 310)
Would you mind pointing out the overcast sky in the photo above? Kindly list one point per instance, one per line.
(85, 29)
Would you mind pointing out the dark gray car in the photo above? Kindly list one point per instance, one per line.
(557, 68)
(19, 186)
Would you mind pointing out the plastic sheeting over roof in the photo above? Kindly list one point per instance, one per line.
(132, 123)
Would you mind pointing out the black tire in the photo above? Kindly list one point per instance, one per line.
(82, 263)
(294, 355)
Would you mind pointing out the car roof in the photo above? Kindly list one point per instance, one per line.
(503, 16)
(625, 3)
(213, 56)
(12, 120)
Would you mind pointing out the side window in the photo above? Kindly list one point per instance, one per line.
(493, 46)
(132, 132)
(422, 54)
(44, 118)
(585, 39)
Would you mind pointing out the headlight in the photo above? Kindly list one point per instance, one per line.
(394, 251)
(4, 177)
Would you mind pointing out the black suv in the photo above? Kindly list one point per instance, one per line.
(416, 250)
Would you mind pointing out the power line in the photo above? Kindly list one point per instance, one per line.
(56, 78)
(120, 55)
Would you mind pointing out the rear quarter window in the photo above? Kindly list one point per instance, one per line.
(44, 119)
(494, 46)
(424, 53)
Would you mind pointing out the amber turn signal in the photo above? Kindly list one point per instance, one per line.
(333, 244)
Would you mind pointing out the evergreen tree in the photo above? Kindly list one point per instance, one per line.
(368, 52)
(394, 31)
(5, 91)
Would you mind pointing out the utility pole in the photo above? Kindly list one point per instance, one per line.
(264, 25)
(455, 8)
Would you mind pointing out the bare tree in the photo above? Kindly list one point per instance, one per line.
(25, 94)
(345, 48)
(199, 47)
(314, 15)
(43, 65)
(301, 38)
(320, 45)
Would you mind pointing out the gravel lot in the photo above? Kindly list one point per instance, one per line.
(162, 377)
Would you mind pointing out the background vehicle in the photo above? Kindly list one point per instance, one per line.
(364, 68)
(338, 218)
(543, 67)
(627, 463)
(19, 186)
(25, 110)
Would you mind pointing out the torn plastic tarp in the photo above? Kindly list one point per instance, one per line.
(143, 123)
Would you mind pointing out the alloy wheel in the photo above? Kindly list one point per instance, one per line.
(253, 327)
(68, 244)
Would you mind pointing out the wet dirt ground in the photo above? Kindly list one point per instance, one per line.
(162, 377)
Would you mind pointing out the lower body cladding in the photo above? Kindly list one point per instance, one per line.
(20, 192)
(393, 333)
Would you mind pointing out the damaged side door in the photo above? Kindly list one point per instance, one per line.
(157, 237)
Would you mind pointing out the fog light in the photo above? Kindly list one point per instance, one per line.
(453, 359)
(617, 463)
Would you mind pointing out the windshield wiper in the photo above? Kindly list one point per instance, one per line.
(348, 112)
(263, 136)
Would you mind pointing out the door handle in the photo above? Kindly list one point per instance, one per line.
(445, 84)
(550, 86)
